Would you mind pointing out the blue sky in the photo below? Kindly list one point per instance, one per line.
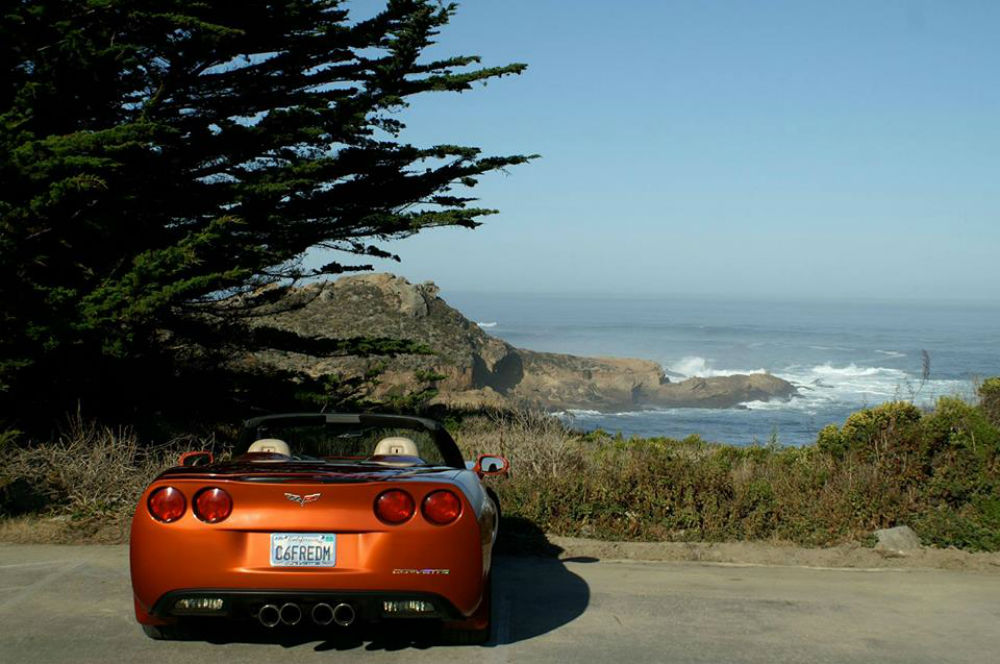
(801, 149)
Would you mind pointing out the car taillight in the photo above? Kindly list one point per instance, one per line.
(442, 507)
(213, 505)
(394, 506)
(167, 504)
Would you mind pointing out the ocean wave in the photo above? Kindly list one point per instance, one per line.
(890, 353)
(853, 370)
(778, 404)
(693, 365)
(585, 414)
(859, 385)
(492, 324)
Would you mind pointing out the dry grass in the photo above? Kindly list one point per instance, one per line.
(84, 485)
(537, 444)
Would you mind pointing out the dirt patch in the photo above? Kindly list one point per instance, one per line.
(775, 553)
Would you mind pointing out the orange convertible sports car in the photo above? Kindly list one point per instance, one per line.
(325, 520)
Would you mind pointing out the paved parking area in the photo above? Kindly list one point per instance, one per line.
(73, 604)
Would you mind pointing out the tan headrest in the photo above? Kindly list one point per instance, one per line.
(396, 446)
(272, 445)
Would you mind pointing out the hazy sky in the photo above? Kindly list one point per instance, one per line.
(773, 148)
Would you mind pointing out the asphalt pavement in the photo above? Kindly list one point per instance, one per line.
(74, 604)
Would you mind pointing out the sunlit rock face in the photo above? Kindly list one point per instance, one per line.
(480, 370)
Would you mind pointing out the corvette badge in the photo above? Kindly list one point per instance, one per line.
(302, 500)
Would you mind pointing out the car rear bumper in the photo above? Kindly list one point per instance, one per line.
(245, 604)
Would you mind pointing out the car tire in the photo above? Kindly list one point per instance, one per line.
(458, 636)
(161, 632)
(496, 503)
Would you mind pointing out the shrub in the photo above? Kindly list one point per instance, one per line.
(887, 465)
(989, 399)
(955, 423)
(89, 472)
(872, 432)
(831, 441)
(975, 526)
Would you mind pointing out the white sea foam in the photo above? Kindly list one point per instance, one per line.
(767, 405)
(825, 384)
(492, 324)
(891, 353)
(597, 414)
(690, 366)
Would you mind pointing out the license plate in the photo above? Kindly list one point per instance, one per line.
(303, 550)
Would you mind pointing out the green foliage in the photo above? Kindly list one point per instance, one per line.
(955, 424)
(875, 430)
(158, 157)
(938, 472)
(831, 441)
(8, 437)
(989, 399)
(974, 526)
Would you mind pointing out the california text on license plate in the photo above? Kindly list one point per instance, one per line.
(303, 549)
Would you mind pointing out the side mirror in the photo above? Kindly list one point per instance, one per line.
(200, 458)
(491, 464)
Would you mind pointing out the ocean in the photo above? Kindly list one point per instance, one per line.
(842, 355)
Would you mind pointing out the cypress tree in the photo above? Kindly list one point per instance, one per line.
(158, 157)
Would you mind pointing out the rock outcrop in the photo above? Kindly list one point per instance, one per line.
(480, 370)
(896, 542)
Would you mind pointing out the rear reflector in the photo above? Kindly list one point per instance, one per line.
(406, 607)
(394, 506)
(167, 504)
(442, 507)
(213, 505)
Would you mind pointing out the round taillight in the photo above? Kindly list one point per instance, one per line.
(213, 505)
(442, 507)
(167, 504)
(394, 506)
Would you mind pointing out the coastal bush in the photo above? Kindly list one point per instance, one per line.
(975, 526)
(989, 399)
(89, 477)
(937, 471)
(875, 432)
(831, 441)
(890, 464)
(957, 424)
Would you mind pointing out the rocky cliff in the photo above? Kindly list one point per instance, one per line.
(480, 370)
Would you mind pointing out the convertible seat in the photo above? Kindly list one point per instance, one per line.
(397, 451)
(270, 445)
(396, 446)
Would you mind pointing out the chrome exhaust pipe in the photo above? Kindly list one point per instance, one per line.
(343, 614)
(269, 615)
(290, 613)
(322, 614)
